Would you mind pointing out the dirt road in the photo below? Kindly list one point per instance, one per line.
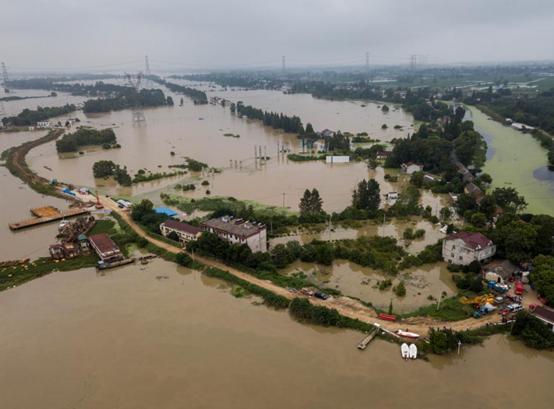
(346, 306)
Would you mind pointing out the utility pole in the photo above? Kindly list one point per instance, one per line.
(134, 81)
(283, 64)
(367, 64)
(147, 66)
(5, 78)
(413, 62)
(284, 199)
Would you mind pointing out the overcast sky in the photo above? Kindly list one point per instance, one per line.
(113, 34)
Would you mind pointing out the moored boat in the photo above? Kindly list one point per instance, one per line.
(407, 334)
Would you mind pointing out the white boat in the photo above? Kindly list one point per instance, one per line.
(62, 224)
(413, 351)
(407, 334)
(405, 351)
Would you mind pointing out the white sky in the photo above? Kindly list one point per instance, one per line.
(112, 34)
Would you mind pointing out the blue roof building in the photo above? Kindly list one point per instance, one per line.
(166, 211)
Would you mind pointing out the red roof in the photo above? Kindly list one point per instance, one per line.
(182, 227)
(545, 313)
(472, 240)
(103, 243)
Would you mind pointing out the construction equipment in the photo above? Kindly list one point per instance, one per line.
(479, 300)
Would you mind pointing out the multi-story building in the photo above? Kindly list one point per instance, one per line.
(184, 231)
(254, 235)
(464, 247)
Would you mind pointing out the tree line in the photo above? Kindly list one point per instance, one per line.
(291, 124)
(85, 136)
(198, 97)
(29, 117)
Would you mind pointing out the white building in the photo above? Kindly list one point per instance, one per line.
(391, 198)
(254, 235)
(464, 247)
(184, 231)
(337, 159)
(43, 124)
(411, 167)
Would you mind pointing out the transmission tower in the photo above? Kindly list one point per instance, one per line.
(367, 63)
(283, 64)
(413, 62)
(2, 113)
(147, 66)
(134, 82)
(5, 78)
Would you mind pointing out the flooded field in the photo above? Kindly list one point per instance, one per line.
(362, 282)
(160, 336)
(393, 228)
(198, 132)
(349, 116)
(517, 160)
(44, 99)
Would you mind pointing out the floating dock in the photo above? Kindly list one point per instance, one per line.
(370, 337)
(47, 219)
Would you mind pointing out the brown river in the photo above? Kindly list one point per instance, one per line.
(160, 336)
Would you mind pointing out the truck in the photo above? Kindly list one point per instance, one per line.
(497, 287)
(519, 289)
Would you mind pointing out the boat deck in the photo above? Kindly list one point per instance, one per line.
(35, 221)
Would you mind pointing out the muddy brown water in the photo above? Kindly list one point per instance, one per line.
(162, 337)
(362, 282)
(198, 132)
(16, 200)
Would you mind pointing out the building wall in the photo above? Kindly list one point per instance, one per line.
(456, 252)
(183, 236)
(256, 242)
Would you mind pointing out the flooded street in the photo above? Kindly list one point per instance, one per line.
(517, 160)
(159, 336)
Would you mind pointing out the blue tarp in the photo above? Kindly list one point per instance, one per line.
(166, 211)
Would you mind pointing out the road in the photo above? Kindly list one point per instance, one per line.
(346, 306)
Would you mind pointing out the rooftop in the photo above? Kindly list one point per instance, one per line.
(103, 243)
(545, 313)
(166, 211)
(476, 241)
(237, 227)
(182, 227)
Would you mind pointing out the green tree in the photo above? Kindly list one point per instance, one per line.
(509, 199)
(515, 240)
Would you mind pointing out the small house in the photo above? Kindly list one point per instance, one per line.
(463, 248)
(411, 167)
(391, 198)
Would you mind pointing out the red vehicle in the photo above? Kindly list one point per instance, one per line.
(519, 288)
(387, 317)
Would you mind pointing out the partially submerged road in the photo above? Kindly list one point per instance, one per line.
(346, 306)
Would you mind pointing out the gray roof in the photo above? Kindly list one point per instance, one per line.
(237, 227)
(182, 227)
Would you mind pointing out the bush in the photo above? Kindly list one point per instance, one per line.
(532, 331)
(183, 259)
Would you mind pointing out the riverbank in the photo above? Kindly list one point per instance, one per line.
(349, 308)
(515, 160)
